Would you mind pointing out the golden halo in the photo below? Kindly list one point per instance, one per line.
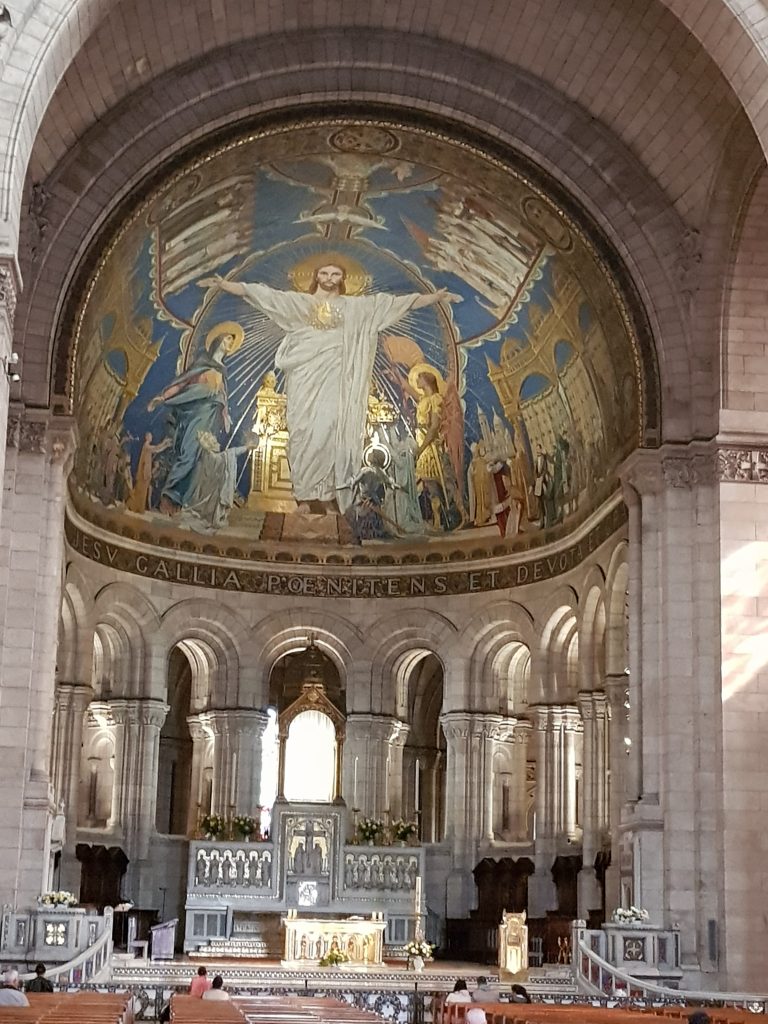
(375, 447)
(418, 369)
(227, 327)
(355, 278)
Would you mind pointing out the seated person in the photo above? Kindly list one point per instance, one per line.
(200, 983)
(460, 993)
(216, 991)
(39, 983)
(484, 993)
(519, 995)
(475, 1015)
(9, 990)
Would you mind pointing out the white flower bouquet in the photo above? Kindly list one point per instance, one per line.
(402, 831)
(57, 898)
(369, 828)
(244, 825)
(630, 915)
(418, 947)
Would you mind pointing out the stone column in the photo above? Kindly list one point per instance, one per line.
(594, 712)
(502, 750)
(237, 746)
(31, 546)
(469, 812)
(672, 826)
(246, 731)
(617, 696)
(520, 738)
(70, 706)
(222, 784)
(542, 895)
(397, 801)
(200, 739)
(137, 725)
(571, 726)
(470, 738)
(367, 755)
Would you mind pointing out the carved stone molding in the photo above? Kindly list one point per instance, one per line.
(688, 469)
(41, 434)
(743, 465)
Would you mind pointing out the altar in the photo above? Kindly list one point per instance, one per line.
(309, 939)
(239, 893)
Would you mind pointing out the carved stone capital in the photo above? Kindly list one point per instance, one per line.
(197, 729)
(456, 725)
(642, 472)
(75, 695)
(592, 704)
(523, 730)
(40, 433)
(689, 469)
(153, 713)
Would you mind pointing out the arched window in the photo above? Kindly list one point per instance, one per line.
(310, 758)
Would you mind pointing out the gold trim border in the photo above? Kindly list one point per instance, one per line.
(281, 581)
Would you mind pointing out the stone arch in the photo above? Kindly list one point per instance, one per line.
(551, 661)
(616, 589)
(519, 126)
(75, 652)
(392, 642)
(744, 311)
(495, 634)
(51, 42)
(212, 636)
(130, 618)
(291, 628)
(591, 626)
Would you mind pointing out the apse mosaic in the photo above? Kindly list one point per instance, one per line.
(350, 334)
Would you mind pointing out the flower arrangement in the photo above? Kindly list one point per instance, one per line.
(630, 915)
(244, 825)
(333, 958)
(402, 831)
(418, 947)
(213, 826)
(57, 898)
(369, 828)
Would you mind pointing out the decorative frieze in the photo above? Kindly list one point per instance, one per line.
(283, 580)
(9, 291)
(743, 465)
(40, 434)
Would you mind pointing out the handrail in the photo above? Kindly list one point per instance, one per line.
(89, 967)
(604, 979)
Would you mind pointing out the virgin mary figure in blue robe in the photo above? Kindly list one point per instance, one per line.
(197, 399)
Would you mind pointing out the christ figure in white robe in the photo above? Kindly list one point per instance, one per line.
(326, 356)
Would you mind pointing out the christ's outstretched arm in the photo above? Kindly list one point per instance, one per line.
(233, 287)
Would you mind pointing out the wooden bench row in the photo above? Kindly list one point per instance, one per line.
(69, 1008)
(541, 1013)
(187, 1009)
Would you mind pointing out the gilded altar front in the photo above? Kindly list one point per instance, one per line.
(360, 939)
